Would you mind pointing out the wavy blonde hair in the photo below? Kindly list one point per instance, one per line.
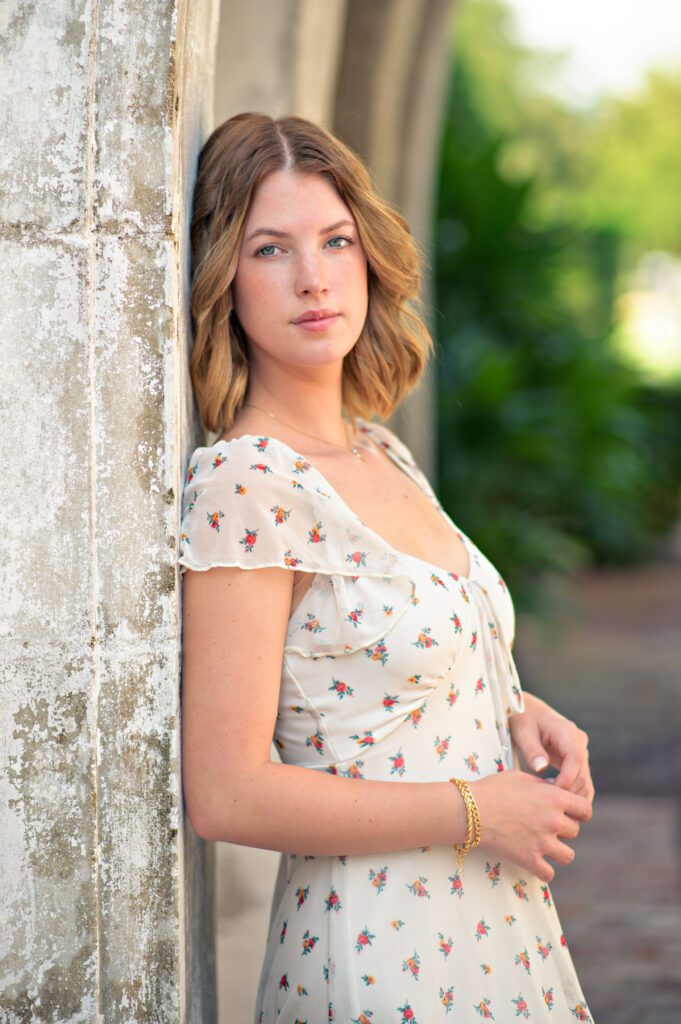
(393, 348)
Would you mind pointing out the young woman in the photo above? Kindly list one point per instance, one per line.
(335, 608)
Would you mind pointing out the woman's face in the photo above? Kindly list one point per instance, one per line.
(300, 251)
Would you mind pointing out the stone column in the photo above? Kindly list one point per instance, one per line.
(104, 890)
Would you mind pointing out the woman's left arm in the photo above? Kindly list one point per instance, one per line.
(544, 736)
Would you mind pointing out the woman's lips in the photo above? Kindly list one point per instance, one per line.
(317, 325)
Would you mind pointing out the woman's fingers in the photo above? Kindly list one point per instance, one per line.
(570, 829)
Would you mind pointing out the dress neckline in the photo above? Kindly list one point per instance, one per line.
(367, 426)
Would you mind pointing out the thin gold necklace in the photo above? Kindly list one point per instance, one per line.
(351, 449)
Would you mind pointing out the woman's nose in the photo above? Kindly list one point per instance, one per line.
(311, 273)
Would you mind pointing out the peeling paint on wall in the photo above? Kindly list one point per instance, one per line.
(97, 921)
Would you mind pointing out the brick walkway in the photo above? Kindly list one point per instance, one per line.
(614, 666)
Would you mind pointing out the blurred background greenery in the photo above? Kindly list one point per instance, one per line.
(557, 246)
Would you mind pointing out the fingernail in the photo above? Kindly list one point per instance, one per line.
(539, 763)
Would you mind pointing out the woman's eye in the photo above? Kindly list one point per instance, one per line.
(340, 238)
(263, 247)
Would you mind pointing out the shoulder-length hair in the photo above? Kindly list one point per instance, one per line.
(392, 350)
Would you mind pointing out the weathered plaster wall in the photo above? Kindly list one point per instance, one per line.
(104, 105)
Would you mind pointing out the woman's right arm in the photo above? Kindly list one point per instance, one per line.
(234, 630)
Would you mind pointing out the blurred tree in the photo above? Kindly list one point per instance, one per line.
(552, 454)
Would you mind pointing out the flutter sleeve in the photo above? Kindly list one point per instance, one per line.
(254, 503)
(243, 507)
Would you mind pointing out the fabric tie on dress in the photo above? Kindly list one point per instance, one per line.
(507, 694)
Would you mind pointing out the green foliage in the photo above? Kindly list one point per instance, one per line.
(552, 452)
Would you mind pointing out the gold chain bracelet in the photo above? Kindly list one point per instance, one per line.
(473, 829)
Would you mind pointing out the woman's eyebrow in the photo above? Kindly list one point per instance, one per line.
(285, 234)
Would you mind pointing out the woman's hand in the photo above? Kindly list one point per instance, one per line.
(523, 817)
(544, 736)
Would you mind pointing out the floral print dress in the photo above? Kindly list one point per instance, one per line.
(397, 670)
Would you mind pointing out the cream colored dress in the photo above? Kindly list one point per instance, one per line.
(398, 670)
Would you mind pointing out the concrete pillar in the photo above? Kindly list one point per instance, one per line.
(104, 890)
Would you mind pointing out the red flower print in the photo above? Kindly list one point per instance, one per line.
(447, 997)
(413, 965)
(364, 741)
(379, 878)
(364, 939)
(484, 1008)
(425, 640)
(341, 688)
(262, 466)
(418, 887)
(291, 560)
(213, 519)
(519, 888)
(523, 959)
(280, 514)
(249, 538)
(316, 741)
(493, 872)
(309, 942)
(390, 702)
(312, 624)
(416, 715)
(457, 622)
(355, 616)
(332, 901)
(521, 1007)
(442, 746)
(315, 535)
(397, 763)
(445, 945)
(379, 652)
(457, 885)
(357, 558)
(354, 770)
